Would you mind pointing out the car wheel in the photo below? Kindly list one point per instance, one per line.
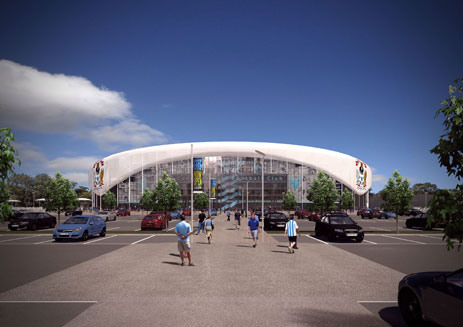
(57, 240)
(410, 308)
(359, 239)
(13, 228)
(142, 229)
(84, 236)
(106, 218)
(52, 225)
(331, 237)
(114, 218)
(33, 227)
(103, 232)
(317, 233)
(363, 217)
(408, 224)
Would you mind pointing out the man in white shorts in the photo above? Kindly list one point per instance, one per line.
(253, 224)
(183, 232)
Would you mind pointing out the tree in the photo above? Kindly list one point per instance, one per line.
(289, 201)
(397, 195)
(109, 200)
(201, 200)
(83, 192)
(346, 200)
(422, 188)
(147, 200)
(446, 204)
(322, 193)
(166, 195)
(60, 196)
(40, 185)
(21, 187)
(8, 159)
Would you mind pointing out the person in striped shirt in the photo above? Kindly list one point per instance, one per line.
(292, 230)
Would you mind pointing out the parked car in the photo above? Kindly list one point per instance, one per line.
(175, 214)
(421, 220)
(73, 212)
(153, 221)
(372, 213)
(16, 214)
(80, 227)
(414, 212)
(315, 216)
(107, 215)
(339, 226)
(388, 214)
(213, 212)
(275, 220)
(302, 214)
(186, 212)
(361, 211)
(123, 212)
(32, 221)
(435, 297)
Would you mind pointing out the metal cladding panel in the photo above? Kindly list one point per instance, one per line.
(350, 171)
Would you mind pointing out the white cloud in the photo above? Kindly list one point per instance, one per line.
(129, 132)
(72, 163)
(29, 153)
(78, 177)
(379, 179)
(43, 102)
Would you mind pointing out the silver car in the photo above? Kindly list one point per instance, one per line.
(107, 215)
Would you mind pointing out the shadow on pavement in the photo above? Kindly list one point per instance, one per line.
(174, 254)
(244, 246)
(172, 263)
(392, 316)
(285, 252)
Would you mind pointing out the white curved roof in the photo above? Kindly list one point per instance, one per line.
(342, 167)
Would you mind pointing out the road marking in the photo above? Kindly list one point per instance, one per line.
(403, 239)
(137, 230)
(48, 301)
(316, 239)
(170, 228)
(113, 228)
(142, 239)
(47, 241)
(383, 229)
(19, 238)
(376, 301)
(369, 242)
(436, 238)
(100, 239)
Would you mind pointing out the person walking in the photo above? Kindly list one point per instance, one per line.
(209, 224)
(228, 214)
(292, 230)
(253, 224)
(201, 218)
(237, 219)
(183, 231)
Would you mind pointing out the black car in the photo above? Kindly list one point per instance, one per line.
(339, 226)
(435, 297)
(421, 220)
(33, 221)
(73, 212)
(275, 220)
(16, 214)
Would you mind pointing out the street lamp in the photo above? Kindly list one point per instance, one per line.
(262, 165)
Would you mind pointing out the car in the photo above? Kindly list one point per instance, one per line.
(73, 212)
(302, 214)
(80, 228)
(213, 212)
(123, 212)
(372, 213)
(432, 297)
(389, 214)
(414, 212)
(153, 221)
(275, 220)
(339, 225)
(107, 215)
(361, 211)
(186, 212)
(421, 220)
(16, 214)
(315, 216)
(175, 214)
(32, 221)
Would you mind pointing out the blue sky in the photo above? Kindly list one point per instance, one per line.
(80, 80)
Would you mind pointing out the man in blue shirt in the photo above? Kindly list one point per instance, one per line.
(253, 224)
(292, 230)
(183, 232)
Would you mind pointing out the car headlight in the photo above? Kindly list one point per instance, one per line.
(78, 229)
(337, 230)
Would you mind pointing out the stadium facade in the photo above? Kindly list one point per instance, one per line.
(233, 168)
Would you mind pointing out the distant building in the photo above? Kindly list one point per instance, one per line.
(235, 167)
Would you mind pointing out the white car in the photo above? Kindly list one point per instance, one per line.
(107, 215)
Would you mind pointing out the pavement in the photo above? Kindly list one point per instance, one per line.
(231, 284)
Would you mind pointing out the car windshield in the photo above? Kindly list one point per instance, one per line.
(103, 213)
(27, 216)
(341, 220)
(76, 220)
(277, 216)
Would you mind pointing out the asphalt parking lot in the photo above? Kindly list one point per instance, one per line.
(135, 279)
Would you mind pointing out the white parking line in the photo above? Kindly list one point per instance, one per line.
(19, 238)
(47, 241)
(113, 228)
(403, 239)
(316, 239)
(369, 242)
(137, 230)
(435, 238)
(100, 239)
(142, 239)
(383, 229)
(48, 301)
(376, 301)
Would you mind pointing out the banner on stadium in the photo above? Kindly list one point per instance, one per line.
(213, 185)
(197, 174)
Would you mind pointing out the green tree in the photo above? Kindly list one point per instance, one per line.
(109, 200)
(346, 200)
(166, 195)
(8, 159)
(21, 187)
(289, 201)
(201, 200)
(83, 192)
(421, 188)
(446, 204)
(147, 200)
(397, 195)
(322, 193)
(60, 196)
(40, 185)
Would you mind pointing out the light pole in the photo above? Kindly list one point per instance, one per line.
(262, 166)
(247, 198)
(191, 204)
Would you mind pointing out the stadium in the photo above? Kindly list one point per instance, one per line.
(230, 172)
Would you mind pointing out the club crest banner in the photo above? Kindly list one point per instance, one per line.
(197, 174)
(213, 186)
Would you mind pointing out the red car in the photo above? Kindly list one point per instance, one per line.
(154, 220)
(123, 212)
(302, 214)
(186, 212)
(362, 211)
(315, 216)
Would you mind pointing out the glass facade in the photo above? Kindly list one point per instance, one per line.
(234, 175)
